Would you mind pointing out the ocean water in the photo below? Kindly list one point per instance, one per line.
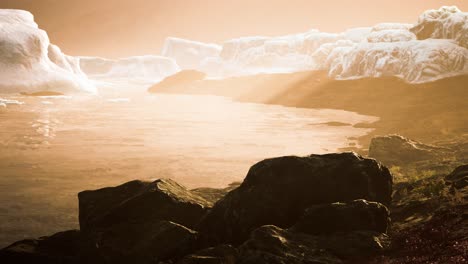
(53, 147)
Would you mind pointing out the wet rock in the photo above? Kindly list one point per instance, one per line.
(395, 150)
(458, 178)
(344, 217)
(64, 247)
(271, 245)
(146, 243)
(221, 254)
(138, 202)
(277, 191)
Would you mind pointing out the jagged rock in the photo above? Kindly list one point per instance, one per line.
(458, 178)
(273, 245)
(221, 254)
(277, 191)
(395, 150)
(214, 194)
(138, 202)
(69, 247)
(145, 242)
(344, 217)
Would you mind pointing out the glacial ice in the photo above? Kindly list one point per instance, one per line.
(448, 22)
(145, 68)
(435, 48)
(29, 63)
(187, 53)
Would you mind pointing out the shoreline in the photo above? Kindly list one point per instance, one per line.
(433, 112)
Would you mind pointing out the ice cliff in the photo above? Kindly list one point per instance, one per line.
(29, 63)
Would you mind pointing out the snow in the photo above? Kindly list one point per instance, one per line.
(29, 63)
(189, 54)
(447, 22)
(144, 68)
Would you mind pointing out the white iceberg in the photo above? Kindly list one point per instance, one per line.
(414, 61)
(28, 61)
(448, 22)
(144, 68)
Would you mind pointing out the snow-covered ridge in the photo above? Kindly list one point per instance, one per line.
(28, 61)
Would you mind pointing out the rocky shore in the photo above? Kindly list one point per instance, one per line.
(332, 208)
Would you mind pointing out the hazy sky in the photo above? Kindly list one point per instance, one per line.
(117, 28)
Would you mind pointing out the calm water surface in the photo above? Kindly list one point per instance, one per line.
(53, 147)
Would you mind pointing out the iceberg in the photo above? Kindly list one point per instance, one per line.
(29, 63)
(414, 61)
(187, 53)
(447, 22)
(144, 68)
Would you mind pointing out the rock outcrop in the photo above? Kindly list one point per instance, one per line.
(277, 191)
(138, 202)
(458, 179)
(395, 150)
(287, 210)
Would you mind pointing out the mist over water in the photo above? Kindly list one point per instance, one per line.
(54, 147)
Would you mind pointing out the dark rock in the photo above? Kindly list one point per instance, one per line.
(458, 178)
(182, 78)
(395, 150)
(138, 202)
(277, 191)
(344, 217)
(355, 244)
(146, 242)
(273, 245)
(213, 195)
(64, 247)
(221, 254)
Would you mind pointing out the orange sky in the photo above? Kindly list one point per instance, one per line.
(117, 28)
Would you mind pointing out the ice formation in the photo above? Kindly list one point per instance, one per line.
(448, 22)
(435, 48)
(189, 54)
(414, 61)
(28, 61)
(144, 68)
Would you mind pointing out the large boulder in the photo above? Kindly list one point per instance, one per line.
(69, 247)
(344, 217)
(396, 150)
(277, 191)
(138, 202)
(458, 178)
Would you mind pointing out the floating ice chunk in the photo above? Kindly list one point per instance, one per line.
(187, 53)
